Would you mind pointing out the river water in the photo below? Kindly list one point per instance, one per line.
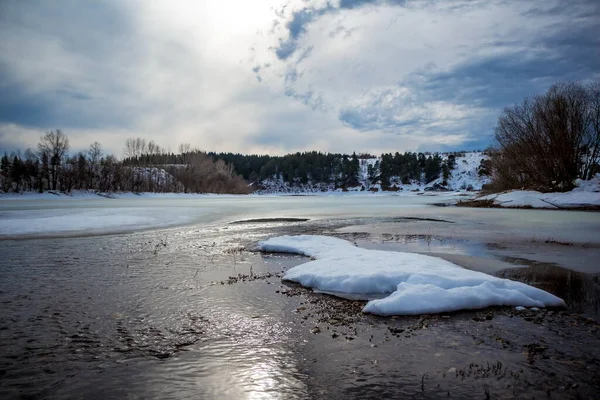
(175, 305)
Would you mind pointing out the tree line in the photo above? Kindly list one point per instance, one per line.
(341, 170)
(298, 168)
(411, 167)
(147, 167)
(51, 167)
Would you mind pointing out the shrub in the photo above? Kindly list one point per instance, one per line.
(547, 142)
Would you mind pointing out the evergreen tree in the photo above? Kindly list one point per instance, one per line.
(385, 169)
(353, 170)
(5, 171)
(445, 173)
(16, 172)
(433, 167)
(451, 162)
(82, 172)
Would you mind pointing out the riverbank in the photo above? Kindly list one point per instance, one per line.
(87, 195)
(586, 196)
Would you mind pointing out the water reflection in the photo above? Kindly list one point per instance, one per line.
(145, 315)
(580, 291)
(420, 244)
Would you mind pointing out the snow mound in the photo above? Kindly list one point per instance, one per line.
(414, 283)
(592, 185)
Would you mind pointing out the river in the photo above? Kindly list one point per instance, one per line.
(163, 298)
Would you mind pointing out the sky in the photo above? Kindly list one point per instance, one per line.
(280, 76)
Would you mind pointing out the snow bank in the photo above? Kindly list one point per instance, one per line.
(592, 185)
(93, 195)
(586, 194)
(416, 284)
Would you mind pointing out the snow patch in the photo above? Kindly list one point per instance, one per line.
(414, 283)
(88, 220)
(586, 194)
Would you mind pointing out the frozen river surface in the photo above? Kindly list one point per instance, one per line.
(76, 217)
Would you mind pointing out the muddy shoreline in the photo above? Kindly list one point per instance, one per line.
(477, 203)
(499, 351)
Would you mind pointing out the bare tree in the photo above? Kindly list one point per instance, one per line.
(184, 150)
(55, 145)
(94, 155)
(135, 147)
(591, 140)
(547, 142)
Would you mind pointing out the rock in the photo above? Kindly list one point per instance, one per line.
(436, 188)
(315, 330)
(395, 330)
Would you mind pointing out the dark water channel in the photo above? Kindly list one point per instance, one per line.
(189, 312)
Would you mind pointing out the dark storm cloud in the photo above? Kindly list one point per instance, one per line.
(43, 37)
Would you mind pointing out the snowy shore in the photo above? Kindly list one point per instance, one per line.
(585, 196)
(85, 194)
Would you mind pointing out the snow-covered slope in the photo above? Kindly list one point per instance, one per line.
(364, 170)
(464, 176)
(278, 185)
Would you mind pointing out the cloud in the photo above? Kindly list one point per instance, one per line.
(436, 67)
(401, 107)
(328, 75)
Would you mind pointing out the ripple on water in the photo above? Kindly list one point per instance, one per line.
(86, 313)
(146, 315)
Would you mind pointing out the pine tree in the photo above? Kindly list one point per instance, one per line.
(445, 173)
(16, 172)
(385, 169)
(353, 170)
(451, 162)
(5, 171)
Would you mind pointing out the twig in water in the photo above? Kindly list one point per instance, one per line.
(428, 238)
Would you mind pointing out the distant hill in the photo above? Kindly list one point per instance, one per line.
(466, 171)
